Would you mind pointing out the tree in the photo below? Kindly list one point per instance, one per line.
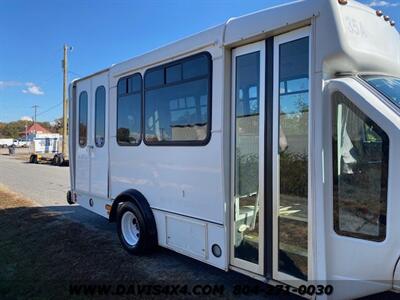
(57, 125)
(2, 125)
(13, 129)
(16, 129)
(46, 125)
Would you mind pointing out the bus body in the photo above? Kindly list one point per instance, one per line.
(265, 145)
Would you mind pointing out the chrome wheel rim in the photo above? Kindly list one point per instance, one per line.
(130, 228)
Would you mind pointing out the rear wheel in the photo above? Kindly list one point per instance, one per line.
(132, 230)
(33, 159)
(54, 161)
(58, 160)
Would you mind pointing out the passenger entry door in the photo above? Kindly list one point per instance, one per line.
(92, 131)
(271, 177)
(291, 159)
(98, 138)
(247, 208)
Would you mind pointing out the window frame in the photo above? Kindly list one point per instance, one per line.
(141, 109)
(95, 115)
(384, 172)
(87, 119)
(209, 76)
(364, 79)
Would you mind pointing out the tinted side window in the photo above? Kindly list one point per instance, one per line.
(173, 73)
(177, 111)
(360, 172)
(294, 157)
(100, 116)
(129, 110)
(154, 78)
(196, 67)
(83, 118)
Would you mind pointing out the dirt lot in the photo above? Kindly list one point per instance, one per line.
(43, 254)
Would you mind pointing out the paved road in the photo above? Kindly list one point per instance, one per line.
(47, 185)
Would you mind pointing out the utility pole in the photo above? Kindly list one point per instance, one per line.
(34, 118)
(65, 101)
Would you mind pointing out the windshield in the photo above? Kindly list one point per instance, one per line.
(387, 85)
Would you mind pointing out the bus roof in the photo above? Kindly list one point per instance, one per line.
(347, 38)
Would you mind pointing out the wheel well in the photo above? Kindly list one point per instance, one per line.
(141, 202)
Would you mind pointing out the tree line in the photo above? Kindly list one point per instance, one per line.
(16, 129)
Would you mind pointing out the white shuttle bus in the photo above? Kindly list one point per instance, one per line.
(268, 145)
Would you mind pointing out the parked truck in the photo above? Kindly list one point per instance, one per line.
(22, 143)
(4, 143)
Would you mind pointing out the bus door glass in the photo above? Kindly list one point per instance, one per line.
(291, 155)
(248, 152)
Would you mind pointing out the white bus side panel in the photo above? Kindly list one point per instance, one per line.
(191, 237)
(183, 180)
(187, 180)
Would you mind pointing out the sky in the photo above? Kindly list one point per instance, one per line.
(32, 34)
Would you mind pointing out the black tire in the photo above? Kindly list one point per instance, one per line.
(33, 159)
(54, 161)
(60, 161)
(145, 243)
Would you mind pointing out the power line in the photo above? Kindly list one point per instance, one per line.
(50, 108)
(74, 73)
